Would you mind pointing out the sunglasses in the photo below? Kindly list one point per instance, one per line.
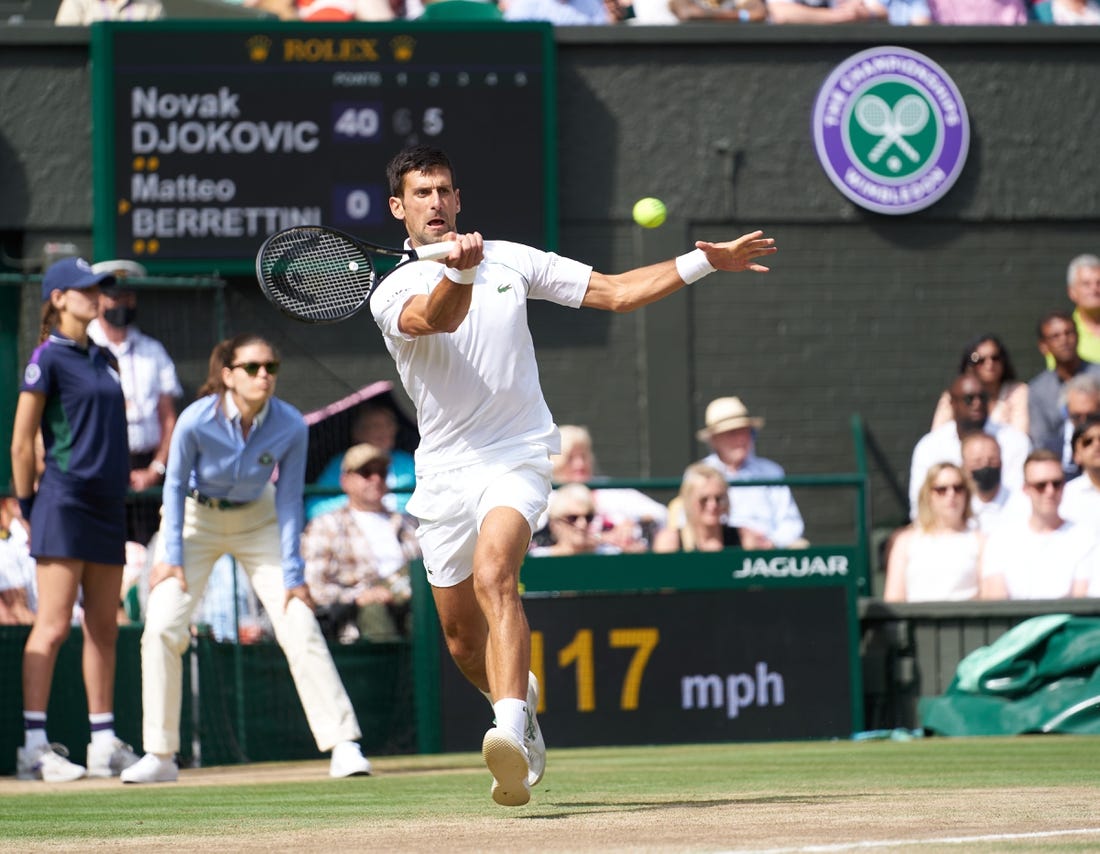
(253, 368)
(573, 518)
(969, 399)
(957, 488)
(979, 359)
(1043, 485)
(371, 471)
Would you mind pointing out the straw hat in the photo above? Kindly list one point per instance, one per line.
(358, 456)
(724, 414)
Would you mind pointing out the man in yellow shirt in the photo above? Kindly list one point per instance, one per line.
(1083, 287)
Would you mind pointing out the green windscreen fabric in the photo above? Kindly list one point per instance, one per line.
(1041, 676)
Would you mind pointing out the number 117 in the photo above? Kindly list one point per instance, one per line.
(580, 652)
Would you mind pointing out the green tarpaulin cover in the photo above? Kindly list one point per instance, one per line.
(1040, 676)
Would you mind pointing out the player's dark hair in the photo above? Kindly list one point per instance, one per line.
(418, 158)
(224, 355)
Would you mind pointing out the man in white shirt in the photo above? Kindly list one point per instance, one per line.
(769, 511)
(1047, 558)
(992, 502)
(970, 404)
(149, 384)
(458, 331)
(1081, 498)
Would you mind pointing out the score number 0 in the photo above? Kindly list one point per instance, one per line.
(580, 652)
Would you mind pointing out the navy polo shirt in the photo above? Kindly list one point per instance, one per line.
(84, 422)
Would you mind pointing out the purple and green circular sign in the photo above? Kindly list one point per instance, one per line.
(891, 130)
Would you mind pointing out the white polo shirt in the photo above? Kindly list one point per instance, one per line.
(1081, 502)
(147, 373)
(476, 390)
(1040, 565)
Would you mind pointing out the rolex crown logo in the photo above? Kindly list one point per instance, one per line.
(403, 47)
(258, 48)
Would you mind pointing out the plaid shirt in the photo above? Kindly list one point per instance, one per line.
(340, 564)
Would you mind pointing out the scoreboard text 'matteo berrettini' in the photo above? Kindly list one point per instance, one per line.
(211, 135)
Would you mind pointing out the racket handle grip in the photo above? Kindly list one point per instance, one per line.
(431, 251)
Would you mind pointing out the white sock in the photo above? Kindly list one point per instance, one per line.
(34, 735)
(103, 728)
(511, 716)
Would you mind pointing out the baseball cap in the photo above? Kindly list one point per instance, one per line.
(359, 455)
(72, 273)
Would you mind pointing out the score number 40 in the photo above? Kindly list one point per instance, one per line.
(579, 653)
(360, 122)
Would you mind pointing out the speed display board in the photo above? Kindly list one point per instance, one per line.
(211, 135)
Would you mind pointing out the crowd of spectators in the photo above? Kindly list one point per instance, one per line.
(1005, 489)
(646, 12)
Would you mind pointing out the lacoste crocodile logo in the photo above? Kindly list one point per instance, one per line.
(502, 288)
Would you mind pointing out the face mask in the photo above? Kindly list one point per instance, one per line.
(120, 315)
(987, 478)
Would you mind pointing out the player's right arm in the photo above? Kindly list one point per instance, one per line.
(446, 306)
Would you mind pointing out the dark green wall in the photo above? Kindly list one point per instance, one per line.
(861, 312)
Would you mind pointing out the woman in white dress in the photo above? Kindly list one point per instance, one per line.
(937, 557)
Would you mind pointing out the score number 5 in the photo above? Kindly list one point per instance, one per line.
(580, 652)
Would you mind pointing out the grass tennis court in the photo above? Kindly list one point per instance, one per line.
(995, 794)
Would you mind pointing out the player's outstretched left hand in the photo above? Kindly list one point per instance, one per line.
(740, 254)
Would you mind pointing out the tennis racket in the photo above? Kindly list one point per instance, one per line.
(320, 275)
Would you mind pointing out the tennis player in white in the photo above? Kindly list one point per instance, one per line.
(458, 332)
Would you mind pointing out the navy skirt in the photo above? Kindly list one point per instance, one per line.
(65, 524)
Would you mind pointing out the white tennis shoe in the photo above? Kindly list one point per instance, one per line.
(506, 758)
(348, 761)
(151, 769)
(532, 735)
(48, 762)
(110, 760)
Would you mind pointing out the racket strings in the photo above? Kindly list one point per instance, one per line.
(315, 274)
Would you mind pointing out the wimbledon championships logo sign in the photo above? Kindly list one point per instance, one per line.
(891, 130)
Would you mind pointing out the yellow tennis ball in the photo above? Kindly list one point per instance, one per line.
(649, 212)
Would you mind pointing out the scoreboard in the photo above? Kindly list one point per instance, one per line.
(211, 135)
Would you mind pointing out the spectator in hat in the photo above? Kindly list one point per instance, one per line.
(768, 513)
(357, 556)
(149, 384)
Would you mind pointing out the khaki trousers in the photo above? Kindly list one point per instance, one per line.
(251, 534)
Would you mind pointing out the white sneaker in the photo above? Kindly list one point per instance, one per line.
(506, 758)
(109, 760)
(48, 762)
(151, 769)
(532, 735)
(348, 761)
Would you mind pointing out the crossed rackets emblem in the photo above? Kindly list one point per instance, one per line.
(908, 117)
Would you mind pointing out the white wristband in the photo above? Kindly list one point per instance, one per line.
(461, 277)
(693, 265)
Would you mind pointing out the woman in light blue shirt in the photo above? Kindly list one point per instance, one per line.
(220, 498)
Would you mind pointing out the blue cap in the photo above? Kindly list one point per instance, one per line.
(71, 273)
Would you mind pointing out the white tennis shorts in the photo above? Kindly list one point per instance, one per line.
(451, 506)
